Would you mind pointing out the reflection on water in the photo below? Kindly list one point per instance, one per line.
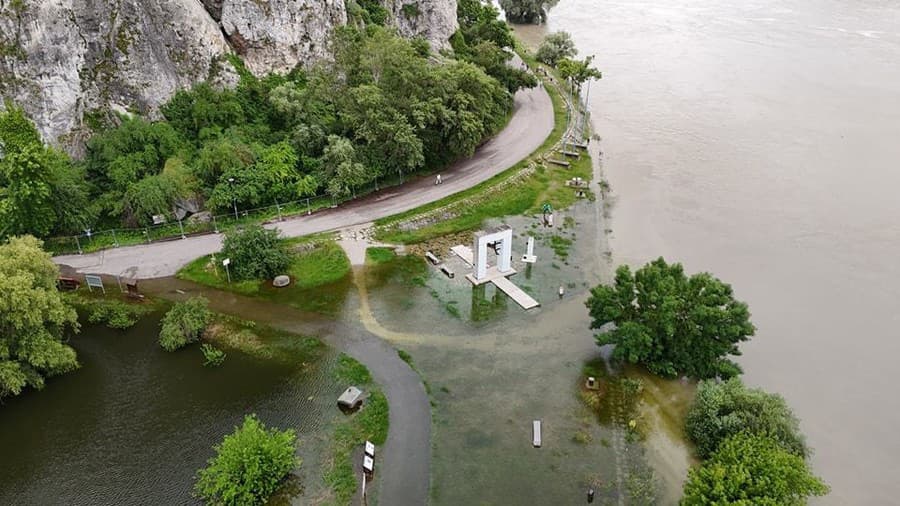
(496, 368)
(757, 139)
(135, 423)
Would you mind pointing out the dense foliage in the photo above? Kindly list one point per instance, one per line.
(248, 465)
(383, 107)
(751, 469)
(486, 41)
(34, 318)
(527, 11)
(41, 192)
(555, 47)
(184, 323)
(671, 323)
(255, 253)
(721, 410)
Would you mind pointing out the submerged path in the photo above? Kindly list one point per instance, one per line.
(531, 123)
(403, 473)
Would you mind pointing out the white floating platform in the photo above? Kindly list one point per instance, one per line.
(536, 433)
(516, 293)
(464, 252)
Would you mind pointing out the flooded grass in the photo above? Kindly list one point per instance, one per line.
(320, 278)
(369, 423)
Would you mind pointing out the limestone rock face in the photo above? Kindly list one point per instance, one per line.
(63, 60)
(69, 61)
(435, 20)
(276, 35)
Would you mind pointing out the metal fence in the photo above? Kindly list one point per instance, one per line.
(202, 223)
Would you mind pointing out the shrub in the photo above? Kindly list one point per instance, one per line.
(184, 323)
(721, 410)
(255, 253)
(212, 355)
(249, 465)
(754, 470)
(114, 313)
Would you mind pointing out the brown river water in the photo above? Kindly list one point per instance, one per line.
(760, 140)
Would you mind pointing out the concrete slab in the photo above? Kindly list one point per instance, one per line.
(516, 293)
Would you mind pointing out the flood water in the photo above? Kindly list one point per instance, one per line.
(758, 140)
(135, 423)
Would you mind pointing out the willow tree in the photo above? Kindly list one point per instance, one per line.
(527, 11)
(34, 319)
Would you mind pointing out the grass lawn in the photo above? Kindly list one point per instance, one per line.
(376, 256)
(319, 278)
(369, 423)
(503, 195)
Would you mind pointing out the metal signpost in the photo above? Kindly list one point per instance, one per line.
(226, 263)
(94, 282)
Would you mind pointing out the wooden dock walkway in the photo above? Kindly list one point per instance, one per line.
(515, 293)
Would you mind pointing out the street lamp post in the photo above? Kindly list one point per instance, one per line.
(233, 199)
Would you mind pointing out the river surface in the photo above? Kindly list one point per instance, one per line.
(135, 423)
(759, 140)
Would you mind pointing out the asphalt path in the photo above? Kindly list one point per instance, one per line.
(404, 472)
(531, 123)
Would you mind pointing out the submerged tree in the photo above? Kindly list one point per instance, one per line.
(555, 47)
(184, 323)
(753, 470)
(33, 318)
(671, 323)
(721, 410)
(249, 465)
(527, 11)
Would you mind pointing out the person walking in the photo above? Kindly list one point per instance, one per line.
(438, 180)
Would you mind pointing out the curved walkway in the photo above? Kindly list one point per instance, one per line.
(531, 123)
(406, 456)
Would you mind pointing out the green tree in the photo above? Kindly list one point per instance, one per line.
(527, 11)
(249, 465)
(34, 318)
(255, 253)
(752, 470)
(673, 324)
(184, 323)
(40, 190)
(579, 71)
(345, 174)
(721, 410)
(480, 21)
(192, 112)
(555, 47)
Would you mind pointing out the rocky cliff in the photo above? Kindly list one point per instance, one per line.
(68, 61)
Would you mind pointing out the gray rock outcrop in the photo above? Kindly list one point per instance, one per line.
(67, 62)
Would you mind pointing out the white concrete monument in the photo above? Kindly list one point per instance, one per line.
(502, 235)
(529, 257)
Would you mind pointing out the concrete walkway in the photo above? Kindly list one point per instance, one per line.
(531, 123)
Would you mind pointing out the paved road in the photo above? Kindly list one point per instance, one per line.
(403, 472)
(531, 123)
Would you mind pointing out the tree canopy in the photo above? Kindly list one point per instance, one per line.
(721, 410)
(527, 11)
(555, 47)
(393, 106)
(184, 323)
(255, 253)
(34, 318)
(249, 465)
(40, 191)
(752, 470)
(669, 322)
